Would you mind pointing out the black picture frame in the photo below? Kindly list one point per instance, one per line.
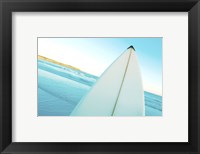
(9, 6)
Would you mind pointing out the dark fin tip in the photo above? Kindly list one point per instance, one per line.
(131, 47)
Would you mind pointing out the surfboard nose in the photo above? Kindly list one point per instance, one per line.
(131, 47)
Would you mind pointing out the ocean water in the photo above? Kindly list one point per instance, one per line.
(61, 88)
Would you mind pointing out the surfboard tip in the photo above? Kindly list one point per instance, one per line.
(131, 47)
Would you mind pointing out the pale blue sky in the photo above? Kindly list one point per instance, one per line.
(94, 55)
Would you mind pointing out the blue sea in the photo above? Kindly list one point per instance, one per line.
(61, 88)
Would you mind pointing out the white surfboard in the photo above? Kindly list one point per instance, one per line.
(118, 92)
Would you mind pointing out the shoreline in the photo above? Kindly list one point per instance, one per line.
(56, 62)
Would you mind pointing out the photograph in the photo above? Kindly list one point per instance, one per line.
(99, 76)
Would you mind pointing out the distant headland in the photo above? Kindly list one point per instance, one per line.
(56, 62)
